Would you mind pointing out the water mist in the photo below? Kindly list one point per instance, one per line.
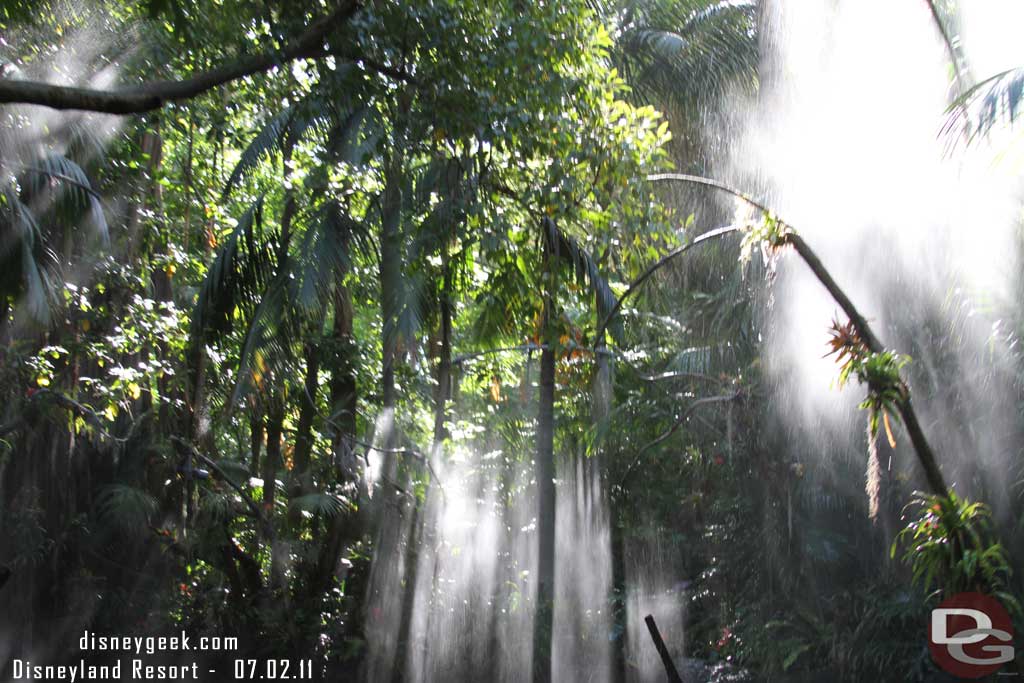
(845, 142)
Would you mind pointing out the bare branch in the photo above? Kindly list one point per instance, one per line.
(680, 421)
(66, 179)
(669, 376)
(411, 452)
(923, 450)
(150, 96)
(706, 237)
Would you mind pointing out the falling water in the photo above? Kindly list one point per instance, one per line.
(471, 615)
(845, 140)
(652, 589)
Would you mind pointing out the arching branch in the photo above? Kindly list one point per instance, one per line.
(149, 96)
(706, 237)
(411, 452)
(923, 450)
(680, 421)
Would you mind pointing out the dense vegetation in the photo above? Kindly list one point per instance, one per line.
(270, 265)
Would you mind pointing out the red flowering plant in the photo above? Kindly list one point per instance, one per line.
(879, 371)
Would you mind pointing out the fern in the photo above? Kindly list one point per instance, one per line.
(125, 508)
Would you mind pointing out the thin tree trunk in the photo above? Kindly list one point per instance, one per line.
(307, 412)
(256, 432)
(271, 465)
(620, 615)
(416, 527)
(600, 410)
(189, 181)
(444, 365)
(411, 563)
(544, 473)
(278, 408)
(390, 276)
(343, 424)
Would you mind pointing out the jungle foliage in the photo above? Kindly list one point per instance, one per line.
(333, 240)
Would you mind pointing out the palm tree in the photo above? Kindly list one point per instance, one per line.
(684, 56)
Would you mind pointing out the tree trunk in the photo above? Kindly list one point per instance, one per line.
(620, 616)
(271, 465)
(444, 365)
(343, 428)
(544, 473)
(302, 479)
(417, 523)
(277, 403)
(256, 431)
(343, 385)
(600, 410)
(390, 275)
(411, 572)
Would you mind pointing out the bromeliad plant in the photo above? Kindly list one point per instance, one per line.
(879, 371)
(950, 548)
(768, 234)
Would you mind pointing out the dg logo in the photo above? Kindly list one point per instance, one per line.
(970, 635)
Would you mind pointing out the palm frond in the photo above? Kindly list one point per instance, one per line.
(219, 508)
(282, 130)
(267, 345)
(56, 179)
(697, 359)
(22, 253)
(587, 273)
(125, 508)
(355, 136)
(685, 54)
(984, 105)
(268, 142)
(240, 272)
(505, 306)
(324, 253)
(323, 504)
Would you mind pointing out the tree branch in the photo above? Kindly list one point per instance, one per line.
(925, 455)
(860, 323)
(675, 427)
(669, 376)
(85, 412)
(923, 450)
(412, 452)
(707, 236)
(80, 409)
(66, 179)
(268, 528)
(462, 358)
(149, 96)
